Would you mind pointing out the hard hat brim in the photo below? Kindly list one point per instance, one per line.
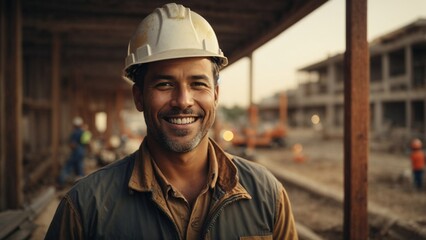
(132, 60)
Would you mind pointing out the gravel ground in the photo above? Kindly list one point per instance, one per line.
(389, 176)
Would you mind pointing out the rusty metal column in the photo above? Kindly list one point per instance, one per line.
(251, 80)
(56, 79)
(13, 164)
(252, 113)
(356, 121)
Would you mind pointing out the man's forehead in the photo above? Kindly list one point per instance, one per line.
(181, 65)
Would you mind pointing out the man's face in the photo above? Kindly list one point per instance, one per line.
(179, 101)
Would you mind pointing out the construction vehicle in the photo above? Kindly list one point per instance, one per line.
(269, 137)
(262, 134)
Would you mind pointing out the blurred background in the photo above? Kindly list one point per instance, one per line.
(281, 102)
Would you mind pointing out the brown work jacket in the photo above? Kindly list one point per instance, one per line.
(247, 203)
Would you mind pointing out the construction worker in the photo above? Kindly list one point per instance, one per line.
(180, 184)
(75, 161)
(417, 162)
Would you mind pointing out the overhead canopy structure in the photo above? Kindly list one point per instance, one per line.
(94, 34)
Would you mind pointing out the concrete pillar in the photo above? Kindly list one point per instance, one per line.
(385, 73)
(409, 67)
(331, 69)
(378, 117)
(330, 115)
(408, 117)
(330, 111)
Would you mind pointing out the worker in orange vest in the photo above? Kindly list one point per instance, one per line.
(417, 162)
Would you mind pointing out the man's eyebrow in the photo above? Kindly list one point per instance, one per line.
(200, 77)
(162, 77)
(171, 77)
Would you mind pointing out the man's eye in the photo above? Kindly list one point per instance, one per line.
(164, 85)
(199, 84)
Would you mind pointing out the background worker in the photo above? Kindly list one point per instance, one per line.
(180, 184)
(417, 162)
(75, 162)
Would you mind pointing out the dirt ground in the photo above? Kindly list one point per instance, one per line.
(389, 177)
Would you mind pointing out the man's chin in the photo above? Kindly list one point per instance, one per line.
(180, 147)
(182, 144)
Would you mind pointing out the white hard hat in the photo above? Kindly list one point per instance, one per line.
(77, 121)
(170, 32)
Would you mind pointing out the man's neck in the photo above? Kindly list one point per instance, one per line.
(185, 171)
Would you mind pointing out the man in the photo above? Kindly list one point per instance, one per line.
(75, 161)
(179, 184)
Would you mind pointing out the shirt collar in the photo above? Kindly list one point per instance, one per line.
(221, 170)
(142, 178)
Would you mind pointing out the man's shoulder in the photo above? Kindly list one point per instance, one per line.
(254, 172)
(258, 180)
(248, 165)
(114, 174)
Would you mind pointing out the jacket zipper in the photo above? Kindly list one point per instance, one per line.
(212, 219)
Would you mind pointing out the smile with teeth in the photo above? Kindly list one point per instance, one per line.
(182, 120)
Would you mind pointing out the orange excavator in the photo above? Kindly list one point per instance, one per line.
(264, 134)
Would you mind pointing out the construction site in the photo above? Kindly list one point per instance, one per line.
(341, 154)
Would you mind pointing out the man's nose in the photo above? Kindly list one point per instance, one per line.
(183, 97)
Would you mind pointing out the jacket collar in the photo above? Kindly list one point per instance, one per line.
(223, 172)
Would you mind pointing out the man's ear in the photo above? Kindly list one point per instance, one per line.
(137, 98)
(216, 95)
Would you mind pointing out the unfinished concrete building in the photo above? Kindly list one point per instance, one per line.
(397, 87)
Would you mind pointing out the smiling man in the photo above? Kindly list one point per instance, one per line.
(180, 184)
(179, 102)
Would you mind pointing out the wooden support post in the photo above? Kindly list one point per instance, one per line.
(356, 121)
(3, 40)
(13, 100)
(55, 101)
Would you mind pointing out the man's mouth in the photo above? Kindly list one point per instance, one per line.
(181, 120)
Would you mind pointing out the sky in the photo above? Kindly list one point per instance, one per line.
(317, 36)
